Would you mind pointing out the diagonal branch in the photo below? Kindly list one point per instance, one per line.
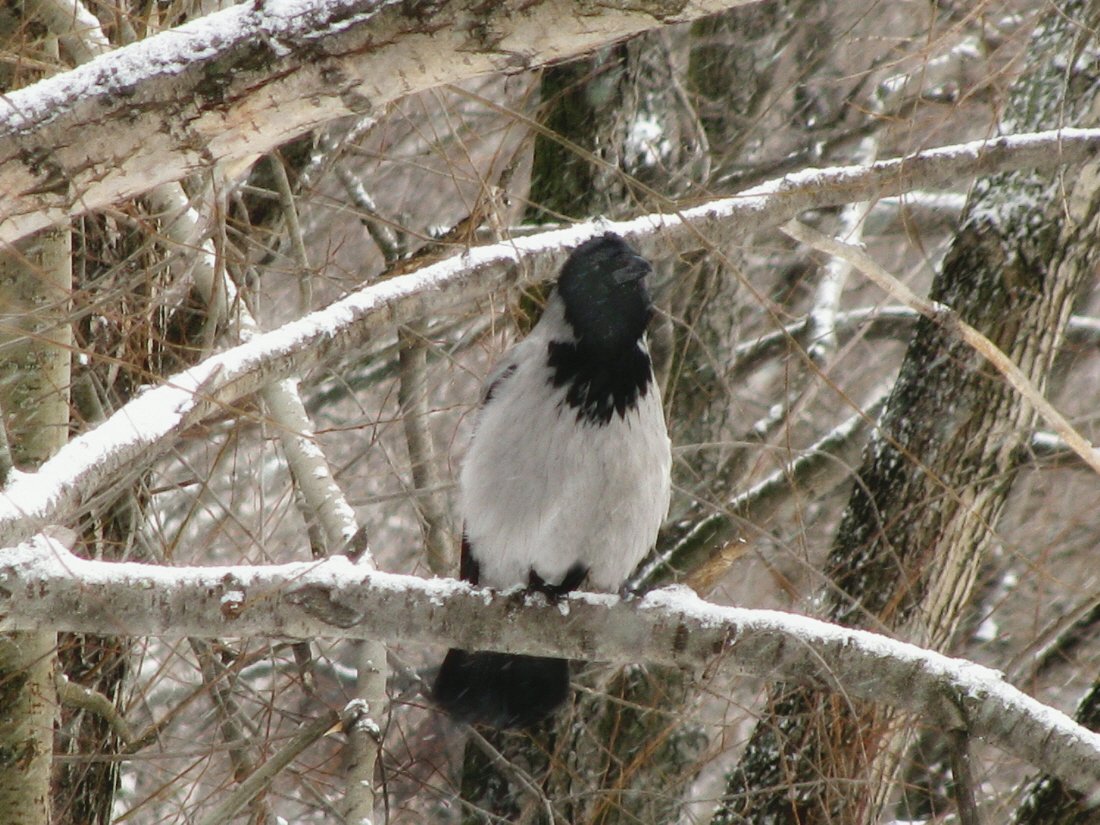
(707, 550)
(946, 317)
(46, 586)
(263, 775)
(147, 426)
(228, 87)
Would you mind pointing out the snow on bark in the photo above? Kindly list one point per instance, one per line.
(42, 584)
(228, 87)
(145, 430)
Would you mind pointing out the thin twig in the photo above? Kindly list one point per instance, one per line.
(412, 392)
(234, 726)
(916, 212)
(74, 695)
(412, 397)
(881, 322)
(380, 231)
(945, 317)
(822, 337)
(820, 334)
(963, 774)
(892, 321)
(7, 463)
(706, 550)
(1056, 641)
(516, 772)
(262, 777)
(294, 229)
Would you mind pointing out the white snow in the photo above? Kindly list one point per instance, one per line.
(133, 433)
(646, 140)
(118, 72)
(44, 558)
(303, 19)
(988, 630)
(151, 415)
(978, 681)
(121, 71)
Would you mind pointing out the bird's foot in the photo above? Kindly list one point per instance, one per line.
(554, 593)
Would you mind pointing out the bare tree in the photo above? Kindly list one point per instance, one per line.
(259, 259)
(953, 432)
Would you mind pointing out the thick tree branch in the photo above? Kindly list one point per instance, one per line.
(148, 425)
(230, 86)
(43, 585)
(234, 84)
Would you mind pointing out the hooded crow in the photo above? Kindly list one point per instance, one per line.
(567, 478)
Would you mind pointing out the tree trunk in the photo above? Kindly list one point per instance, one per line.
(935, 478)
(35, 339)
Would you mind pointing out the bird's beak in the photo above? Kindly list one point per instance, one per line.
(636, 269)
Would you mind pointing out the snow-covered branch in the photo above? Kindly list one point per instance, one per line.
(148, 425)
(43, 585)
(143, 429)
(225, 88)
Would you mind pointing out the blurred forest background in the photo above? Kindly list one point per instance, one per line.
(956, 521)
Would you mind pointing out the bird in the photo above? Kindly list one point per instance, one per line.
(567, 477)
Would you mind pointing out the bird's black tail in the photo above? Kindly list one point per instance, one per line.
(502, 690)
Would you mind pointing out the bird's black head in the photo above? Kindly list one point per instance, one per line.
(603, 288)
